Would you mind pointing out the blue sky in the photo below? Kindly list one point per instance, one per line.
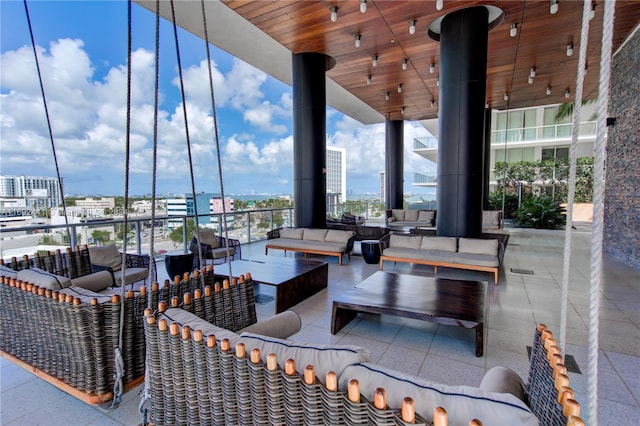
(82, 53)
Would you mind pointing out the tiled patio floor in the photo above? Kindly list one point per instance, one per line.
(438, 353)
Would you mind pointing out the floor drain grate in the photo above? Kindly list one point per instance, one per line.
(522, 271)
(263, 299)
(569, 362)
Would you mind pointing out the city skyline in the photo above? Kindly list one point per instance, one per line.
(83, 60)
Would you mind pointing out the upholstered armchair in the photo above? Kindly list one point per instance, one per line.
(109, 258)
(214, 247)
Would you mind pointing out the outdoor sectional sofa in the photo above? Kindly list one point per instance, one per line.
(330, 242)
(407, 218)
(218, 377)
(484, 253)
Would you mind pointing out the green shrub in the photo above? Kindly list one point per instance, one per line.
(541, 213)
(510, 203)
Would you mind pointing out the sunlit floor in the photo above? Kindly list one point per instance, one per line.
(438, 353)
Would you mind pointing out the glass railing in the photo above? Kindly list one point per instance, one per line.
(538, 133)
(427, 142)
(424, 178)
(170, 232)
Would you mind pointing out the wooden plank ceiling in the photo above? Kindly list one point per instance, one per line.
(541, 42)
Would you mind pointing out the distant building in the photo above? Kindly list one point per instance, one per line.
(207, 204)
(32, 192)
(97, 203)
(336, 174)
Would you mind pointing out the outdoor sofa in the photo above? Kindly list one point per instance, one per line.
(219, 377)
(484, 253)
(407, 218)
(329, 242)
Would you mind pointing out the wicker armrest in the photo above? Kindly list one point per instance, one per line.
(384, 242)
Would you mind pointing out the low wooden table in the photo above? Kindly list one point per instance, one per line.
(444, 301)
(294, 279)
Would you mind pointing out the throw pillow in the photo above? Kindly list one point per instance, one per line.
(314, 234)
(292, 233)
(425, 216)
(448, 244)
(397, 214)
(42, 278)
(106, 256)
(208, 236)
(405, 241)
(95, 282)
(478, 246)
(411, 215)
(336, 236)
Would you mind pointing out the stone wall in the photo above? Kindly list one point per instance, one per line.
(622, 191)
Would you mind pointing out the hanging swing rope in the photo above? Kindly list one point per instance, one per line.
(215, 135)
(146, 392)
(118, 386)
(577, 106)
(186, 127)
(598, 211)
(46, 113)
(506, 130)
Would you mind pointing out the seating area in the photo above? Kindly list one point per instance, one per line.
(346, 218)
(328, 242)
(214, 248)
(408, 218)
(429, 352)
(484, 253)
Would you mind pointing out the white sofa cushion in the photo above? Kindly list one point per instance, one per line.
(478, 246)
(324, 358)
(397, 214)
(106, 256)
(405, 241)
(42, 278)
(314, 234)
(411, 215)
(462, 403)
(425, 216)
(449, 244)
(292, 233)
(337, 236)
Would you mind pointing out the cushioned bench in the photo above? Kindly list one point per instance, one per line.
(265, 380)
(330, 242)
(479, 254)
(403, 218)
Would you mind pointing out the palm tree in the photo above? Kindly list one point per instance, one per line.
(566, 110)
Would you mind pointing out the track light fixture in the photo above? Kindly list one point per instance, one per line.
(386, 96)
(513, 31)
(432, 67)
(532, 72)
(548, 91)
(358, 38)
(553, 7)
(412, 26)
(374, 62)
(402, 111)
(334, 13)
(399, 87)
(369, 79)
(363, 6)
(439, 4)
(506, 96)
(569, 49)
(592, 14)
(433, 103)
(567, 93)
(530, 80)
(404, 64)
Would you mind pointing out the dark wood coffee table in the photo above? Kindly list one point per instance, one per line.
(294, 279)
(444, 301)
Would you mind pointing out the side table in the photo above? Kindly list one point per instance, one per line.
(370, 251)
(177, 263)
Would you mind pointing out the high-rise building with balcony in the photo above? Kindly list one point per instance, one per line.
(337, 173)
(33, 192)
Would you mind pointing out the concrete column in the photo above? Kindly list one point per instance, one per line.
(463, 64)
(309, 138)
(394, 164)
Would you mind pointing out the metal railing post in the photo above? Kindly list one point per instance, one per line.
(248, 227)
(184, 233)
(136, 227)
(73, 238)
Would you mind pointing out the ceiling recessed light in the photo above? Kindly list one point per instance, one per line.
(506, 97)
(548, 91)
(553, 7)
(400, 88)
(386, 96)
(363, 6)
(439, 4)
(334, 13)
(567, 93)
(412, 26)
(374, 61)
(569, 49)
(532, 72)
(369, 79)
(404, 64)
(513, 31)
(358, 38)
(432, 68)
